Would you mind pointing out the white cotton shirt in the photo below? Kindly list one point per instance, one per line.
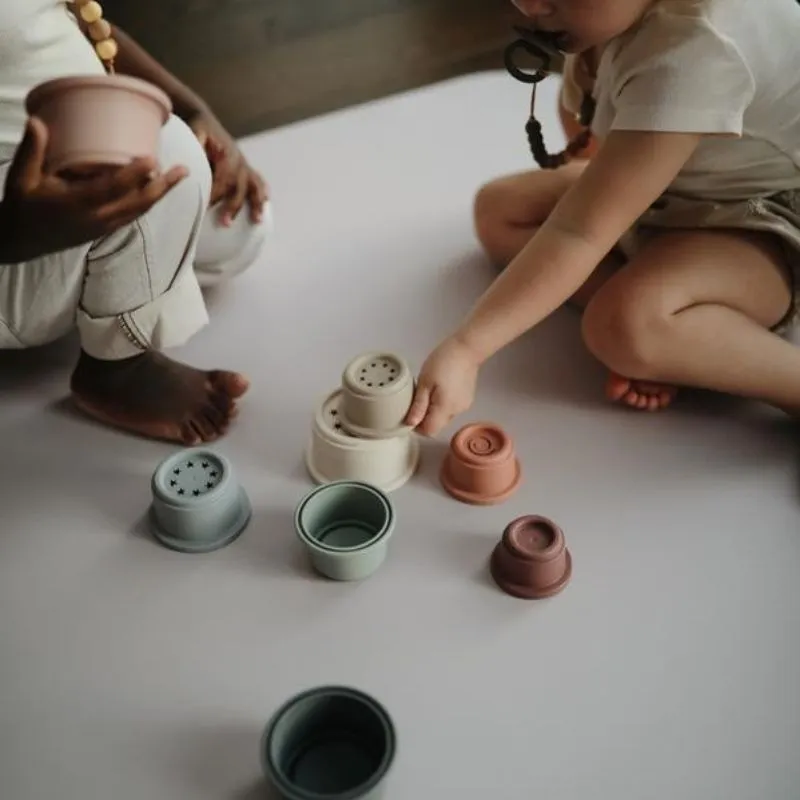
(39, 40)
(724, 67)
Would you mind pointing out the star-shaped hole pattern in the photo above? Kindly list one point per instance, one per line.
(331, 415)
(194, 476)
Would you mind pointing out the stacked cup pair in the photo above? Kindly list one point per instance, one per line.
(359, 431)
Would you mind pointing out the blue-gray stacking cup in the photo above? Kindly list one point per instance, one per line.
(331, 743)
(198, 505)
(346, 527)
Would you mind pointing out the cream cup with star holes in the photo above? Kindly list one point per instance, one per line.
(377, 391)
(334, 454)
(198, 504)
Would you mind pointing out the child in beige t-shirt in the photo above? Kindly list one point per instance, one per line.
(680, 236)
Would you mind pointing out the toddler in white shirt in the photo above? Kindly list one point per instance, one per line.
(680, 235)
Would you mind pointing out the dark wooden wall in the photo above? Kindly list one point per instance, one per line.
(262, 63)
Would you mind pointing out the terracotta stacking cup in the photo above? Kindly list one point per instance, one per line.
(481, 466)
(377, 391)
(197, 504)
(531, 560)
(99, 120)
(330, 743)
(333, 454)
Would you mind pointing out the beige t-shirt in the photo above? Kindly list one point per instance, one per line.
(39, 40)
(724, 67)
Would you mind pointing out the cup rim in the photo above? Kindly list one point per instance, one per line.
(475, 498)
(527, 591)
(380, 712)
(350, 381)
(553, 550)
(381, 536)
(343, 440)
(226, 488)
(43, 91)
(188, 546)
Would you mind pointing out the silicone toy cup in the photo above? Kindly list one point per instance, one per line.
(198, 505)
(99, 120)
(334, 455)
(377, 390)
(331, 743)
(531, 560)
(346, 527)
(481, 466)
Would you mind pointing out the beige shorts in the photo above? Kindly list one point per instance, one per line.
(778, 214)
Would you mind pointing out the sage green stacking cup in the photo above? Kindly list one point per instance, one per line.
(345, 527)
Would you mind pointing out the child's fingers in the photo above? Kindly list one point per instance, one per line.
(436, 419)
(27, 166)
(256, 197)
(234, 203)
(114, 184)
(419, 406)
(202, 137)
(134, 204)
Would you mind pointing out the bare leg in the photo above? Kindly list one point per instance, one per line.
(509, 210)
(694, 308)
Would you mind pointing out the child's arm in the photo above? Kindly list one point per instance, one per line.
(629, 172)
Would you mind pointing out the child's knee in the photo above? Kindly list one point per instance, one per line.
(178, 145)
(624, 328)
(490, 214)
(223, 253)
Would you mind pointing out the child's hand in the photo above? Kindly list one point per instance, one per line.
(235, 181)
(43, 213)
(445, 387)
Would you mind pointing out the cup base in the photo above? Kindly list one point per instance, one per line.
(413, 464)
(225, 538)
(473, 498)
(529, 592)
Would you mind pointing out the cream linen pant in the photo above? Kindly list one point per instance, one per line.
(140, 287)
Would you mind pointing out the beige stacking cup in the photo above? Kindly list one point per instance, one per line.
(334, 454)
(377, 391)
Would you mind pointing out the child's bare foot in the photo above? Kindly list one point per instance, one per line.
(643, 395)
(154, 396)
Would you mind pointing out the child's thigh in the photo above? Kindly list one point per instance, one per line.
(675, 270)
(524, 199)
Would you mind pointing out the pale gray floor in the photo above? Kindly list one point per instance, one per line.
(668, 669)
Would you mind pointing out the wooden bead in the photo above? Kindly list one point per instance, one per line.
(91, 12)
(80, 3)
(100, 30)
(107, 49)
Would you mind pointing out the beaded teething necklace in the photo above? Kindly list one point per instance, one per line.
(91, 12)
(544, 49)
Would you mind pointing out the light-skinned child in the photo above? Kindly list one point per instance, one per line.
(680, 236)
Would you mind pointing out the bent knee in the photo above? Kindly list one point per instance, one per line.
(490, 216)
(223, 253)
(624, 329)
(178, 146)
